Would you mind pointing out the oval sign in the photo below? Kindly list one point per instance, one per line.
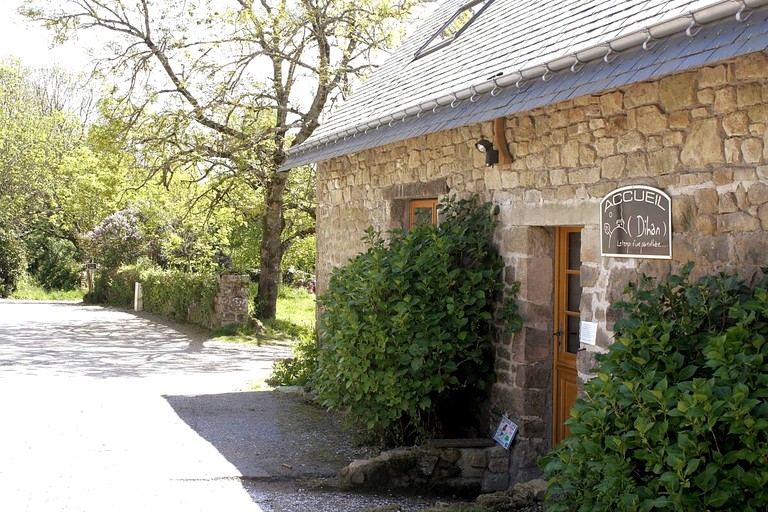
(636, 222)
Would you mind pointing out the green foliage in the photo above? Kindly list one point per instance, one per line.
(186, 297)
(677, 417)
(409, 324)
(56, 264)
(12, 261)
(29, 289)
(298, 370)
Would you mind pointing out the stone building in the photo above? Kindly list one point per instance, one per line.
(667, 97)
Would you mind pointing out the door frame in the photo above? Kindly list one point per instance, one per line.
(565, 374)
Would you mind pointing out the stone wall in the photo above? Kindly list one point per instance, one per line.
(699, 135)
(231, 303)
(448, 466)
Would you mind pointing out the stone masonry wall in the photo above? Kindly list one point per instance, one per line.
(231, 303)
(699, 135)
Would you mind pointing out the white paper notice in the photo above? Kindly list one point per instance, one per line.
(588, 333)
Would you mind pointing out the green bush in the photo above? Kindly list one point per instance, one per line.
(407, 326)
(173, 293)
(12, 262)
(56, 264)
(298, 370)
(677, 417)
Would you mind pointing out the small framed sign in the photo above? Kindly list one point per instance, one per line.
(506, 432)
(636, 222)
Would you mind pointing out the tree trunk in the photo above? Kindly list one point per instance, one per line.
(271, 247)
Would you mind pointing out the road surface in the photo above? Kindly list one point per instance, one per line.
(97, 412)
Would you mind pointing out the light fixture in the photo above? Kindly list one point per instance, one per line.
(491, 155)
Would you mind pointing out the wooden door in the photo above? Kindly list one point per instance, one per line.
(566, 328)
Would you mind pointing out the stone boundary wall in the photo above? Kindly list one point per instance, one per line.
(466, 467)
(231, 303)
(699, 135)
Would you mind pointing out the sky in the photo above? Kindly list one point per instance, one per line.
(31, 43)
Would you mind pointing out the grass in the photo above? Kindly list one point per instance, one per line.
(29, 290)
(295, 320)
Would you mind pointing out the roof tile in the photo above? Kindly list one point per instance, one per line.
(524, 33)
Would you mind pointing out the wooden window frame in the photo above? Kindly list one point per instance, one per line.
(415, 204)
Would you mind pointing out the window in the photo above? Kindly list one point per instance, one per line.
(454, 26)
(422, 211)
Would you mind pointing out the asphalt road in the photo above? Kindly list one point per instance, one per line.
(104, 410)
(99, 410)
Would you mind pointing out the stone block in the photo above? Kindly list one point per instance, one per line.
(748, 95)
(683, 212)
(650, 119)
(704, 145)
(495, 482)
(736, 123)
(533, 376)
(630, 142)
(678, 92)
(722, 176)
(664, 161)
(587, 155)
(751, 67)
(613, 167)
(757, 194)
(474, 458)
(605, 147)
(645, 93)
(673, 139)
(725, 100)
(584, 176)
(706, 96)
(616, 125)
(612, 103)
(707, 200)
(712, 76)
(737, 222)
(713, 249)
(750, 249)
(679, 120)
(569, 154)
(752, 150)
(762, 214)
(727, 203)
(449, 456)
(498, 465)
(758, 113)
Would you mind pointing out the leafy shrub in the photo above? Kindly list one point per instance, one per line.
(298, 370)
(117, 240)
(407, 325)
(12, 262)
(184, 296)
(56, 264)
(677, 416)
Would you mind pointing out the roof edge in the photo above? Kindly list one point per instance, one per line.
(646, 37)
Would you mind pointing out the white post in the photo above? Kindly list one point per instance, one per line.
(138, 300)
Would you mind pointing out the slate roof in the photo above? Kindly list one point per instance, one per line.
(522, 54)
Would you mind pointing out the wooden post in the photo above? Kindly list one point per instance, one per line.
(138, 300)
(500, 141)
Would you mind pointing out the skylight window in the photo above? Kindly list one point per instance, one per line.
(453, 28)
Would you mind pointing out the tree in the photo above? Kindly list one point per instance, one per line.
(220, 89)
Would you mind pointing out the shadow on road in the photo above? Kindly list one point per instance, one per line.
(270, 435)
(92, 341)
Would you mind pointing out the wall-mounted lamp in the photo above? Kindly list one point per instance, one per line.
(491, 155)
